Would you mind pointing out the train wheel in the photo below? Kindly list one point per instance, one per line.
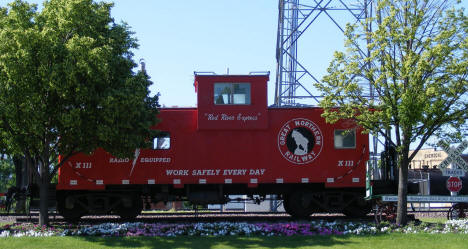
(358, 208)
(129, 208)
(71, 211)
(299, 205)
(287, 204)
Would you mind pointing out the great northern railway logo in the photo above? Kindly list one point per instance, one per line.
(300, 141)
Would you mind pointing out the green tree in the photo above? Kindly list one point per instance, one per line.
(7, 174)
(67, 85)
(416, 63)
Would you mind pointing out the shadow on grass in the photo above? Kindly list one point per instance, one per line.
(225, 241)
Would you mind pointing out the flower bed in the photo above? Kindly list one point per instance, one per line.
(312, 228)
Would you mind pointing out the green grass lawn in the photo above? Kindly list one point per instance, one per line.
(433, 220)
(425, 241)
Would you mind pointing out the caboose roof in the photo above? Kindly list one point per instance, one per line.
(262, 73)
(225, 77)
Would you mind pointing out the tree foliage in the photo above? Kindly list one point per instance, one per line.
(7, 174)
(415, 63)
(67, 84)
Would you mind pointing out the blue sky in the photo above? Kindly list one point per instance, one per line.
(179, 37)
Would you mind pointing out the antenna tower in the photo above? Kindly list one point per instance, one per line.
(294, 82)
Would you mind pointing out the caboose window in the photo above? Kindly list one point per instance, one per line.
(232, 93)
(345, 139)
(162, 141)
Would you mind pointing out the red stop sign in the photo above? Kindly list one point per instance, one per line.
(454, 184)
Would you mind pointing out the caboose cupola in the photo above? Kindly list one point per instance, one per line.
(232, 102)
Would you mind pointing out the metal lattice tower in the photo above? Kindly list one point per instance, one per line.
(294, 81)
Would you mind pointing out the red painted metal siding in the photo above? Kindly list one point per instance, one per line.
(233, 117)
(252, 152)
(232, 156)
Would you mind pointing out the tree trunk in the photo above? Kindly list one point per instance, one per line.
(20, 184)
(21, 204)
(44, 196)
(402, 189)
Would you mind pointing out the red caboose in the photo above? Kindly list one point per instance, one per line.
(233, 143)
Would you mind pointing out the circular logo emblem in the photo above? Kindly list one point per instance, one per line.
(300, 141)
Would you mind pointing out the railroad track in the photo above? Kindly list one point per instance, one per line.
(202, 216)
(191, 217)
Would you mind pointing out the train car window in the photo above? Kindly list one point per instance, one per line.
(232, 93)
(345, 139)
(162, 141)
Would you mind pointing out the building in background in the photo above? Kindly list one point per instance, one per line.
(430, 159)
(427, 159)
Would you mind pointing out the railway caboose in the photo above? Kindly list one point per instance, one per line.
(231, 143)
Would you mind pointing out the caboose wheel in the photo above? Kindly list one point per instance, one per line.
(287, 204)
(299, 205)
(358, 208)
(70, 216)
(129, 208)
(71, 211)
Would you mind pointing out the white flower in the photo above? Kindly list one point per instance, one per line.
(384, 229)
(5, 234)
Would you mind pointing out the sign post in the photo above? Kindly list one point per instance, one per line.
(459, 166)
(453, 184)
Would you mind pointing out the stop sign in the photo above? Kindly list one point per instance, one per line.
(454, 184)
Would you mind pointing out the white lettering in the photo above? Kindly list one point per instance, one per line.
(229, 117)
(257, 172)
(155, 160)
(284, 132)
(308, 157)
(119, 160)
(215, 172)
(83, 165)
(307, 124)
(204, 172)
(179, 172)
(211, 116)
(234, 172)
(226, 117)
(240, 116)
(345, 163)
